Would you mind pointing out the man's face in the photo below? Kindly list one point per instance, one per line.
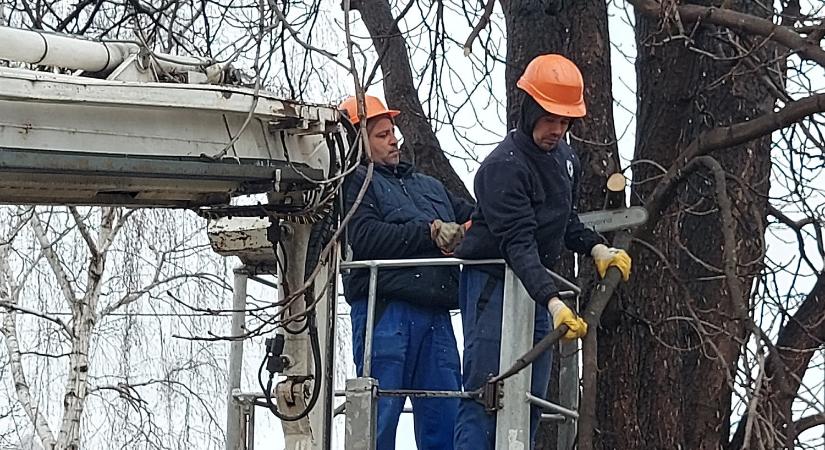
(549, 130)
(383, 144)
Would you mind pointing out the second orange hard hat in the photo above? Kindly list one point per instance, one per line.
(556, 84)
(374, 108)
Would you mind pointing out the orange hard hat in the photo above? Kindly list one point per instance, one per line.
(556, 84)
(374, 108)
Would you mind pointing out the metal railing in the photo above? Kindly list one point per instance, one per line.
(513, 418)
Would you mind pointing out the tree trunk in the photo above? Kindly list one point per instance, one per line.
(668, 358)
(420, 143)
(84, 318)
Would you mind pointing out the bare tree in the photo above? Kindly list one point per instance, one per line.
(712, 343)
(729, 98)
(81, 275)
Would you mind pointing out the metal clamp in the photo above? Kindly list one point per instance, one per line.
(492, 396)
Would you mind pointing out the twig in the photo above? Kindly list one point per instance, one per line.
(482, 24)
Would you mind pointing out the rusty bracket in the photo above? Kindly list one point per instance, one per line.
(492, 395)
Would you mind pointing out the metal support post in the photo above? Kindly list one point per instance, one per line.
(293, 393)
(568, 390)
(234, 410)
(249, 418)
(362, 407)
(513, 419)
(329, 316)
(372, 298)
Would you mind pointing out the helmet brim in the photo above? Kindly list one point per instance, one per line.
(574, 110)
(559, 109)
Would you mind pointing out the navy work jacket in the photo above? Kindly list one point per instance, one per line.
(526, 211)
(393, 222)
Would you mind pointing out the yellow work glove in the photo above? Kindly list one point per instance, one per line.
(562, 314)
(605, 257)
(446, 235)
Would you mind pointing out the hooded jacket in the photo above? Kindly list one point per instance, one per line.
(393, 222)
(526, 211)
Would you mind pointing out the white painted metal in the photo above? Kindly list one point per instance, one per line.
(235, 421)
(72, 52)
(550, 406)
(513, 419)
(150, 141)
(244, 237)
(36, 47)
(292, 394)
(614, 219)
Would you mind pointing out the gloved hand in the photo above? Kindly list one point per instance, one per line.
(562, 314)
(446, 235)
(605, 257)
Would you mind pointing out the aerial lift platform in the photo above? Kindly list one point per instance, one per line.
(120, 125)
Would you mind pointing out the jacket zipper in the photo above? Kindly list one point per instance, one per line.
(403, 186)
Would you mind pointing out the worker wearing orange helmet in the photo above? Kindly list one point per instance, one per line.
(526, 213)
(405, 214)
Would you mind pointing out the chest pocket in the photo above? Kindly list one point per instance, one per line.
(435, 207)
(411, 199)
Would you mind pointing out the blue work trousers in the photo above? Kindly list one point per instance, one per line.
(481, 311)
(413, 348)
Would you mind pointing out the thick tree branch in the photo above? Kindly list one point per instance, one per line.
(83, 228)
(8, 329)
(21, 384)
(590, 368)
(33, 312)
(400, 92)
(721, 138)
(46, 247)
(806, 423)
(748, 23)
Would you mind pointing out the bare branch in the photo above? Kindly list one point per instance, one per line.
(482, 24)
(742, 22)
(54, 262)
(721, 138)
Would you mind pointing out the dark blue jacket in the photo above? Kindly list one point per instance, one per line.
(526, 211)
(393, 222)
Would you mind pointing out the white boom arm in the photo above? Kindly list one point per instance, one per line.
(129, 140)
(70, 52)
(73, 140)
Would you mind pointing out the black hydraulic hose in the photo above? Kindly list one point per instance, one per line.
(316, 385)
(319, 237)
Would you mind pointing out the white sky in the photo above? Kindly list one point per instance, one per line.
(268, 434)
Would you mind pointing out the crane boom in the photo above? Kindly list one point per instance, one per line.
(78, 140)
(130, 127)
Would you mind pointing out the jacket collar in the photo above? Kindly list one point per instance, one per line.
(402, 170)
(525, 143)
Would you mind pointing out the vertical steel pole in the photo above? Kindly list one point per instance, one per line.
(513, 419)
(329, 349)
(362, 406)
(250, 427)
(234, 411)
(371, 299)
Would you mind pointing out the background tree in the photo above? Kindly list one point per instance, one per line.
(699, 322)
(713, 342)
